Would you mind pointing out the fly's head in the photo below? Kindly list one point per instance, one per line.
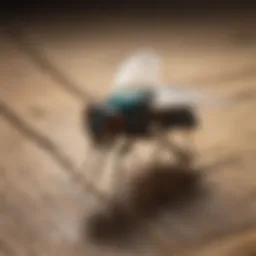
(94, 122)
(101, 125)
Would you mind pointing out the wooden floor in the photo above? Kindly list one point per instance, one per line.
(46, 199)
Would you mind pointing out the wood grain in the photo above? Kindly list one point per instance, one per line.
(47, 198)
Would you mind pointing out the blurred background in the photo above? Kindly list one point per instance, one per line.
(54, 58)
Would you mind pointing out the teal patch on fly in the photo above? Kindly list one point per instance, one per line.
(129, 101)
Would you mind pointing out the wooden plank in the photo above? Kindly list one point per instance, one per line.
(33, 180)
(240, 244)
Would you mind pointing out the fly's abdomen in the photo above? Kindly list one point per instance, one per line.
(176, 118)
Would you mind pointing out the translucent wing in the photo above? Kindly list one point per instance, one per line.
(171, 97)
(143, 68)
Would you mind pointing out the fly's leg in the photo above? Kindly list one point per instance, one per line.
(115, 173)
(190, 145)
(156, 133)
(98, 158)
(124, 150)
(183, 156)
(189, 138)
(156, 152)
(101, 160)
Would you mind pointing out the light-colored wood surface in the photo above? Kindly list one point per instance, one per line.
(239, 244)
(45, 199)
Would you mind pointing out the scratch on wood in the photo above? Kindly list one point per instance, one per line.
(6, 249)
(36, 55)
(47, 145)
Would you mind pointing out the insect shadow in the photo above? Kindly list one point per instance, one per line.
(161, 185)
